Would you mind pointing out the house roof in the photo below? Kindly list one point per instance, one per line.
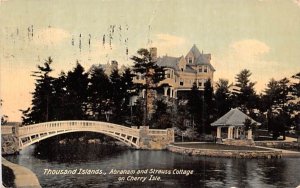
(233, 118)
(190, 69)
(167, 61)
(200, 59)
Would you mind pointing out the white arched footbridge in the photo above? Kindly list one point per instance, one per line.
(143, 137)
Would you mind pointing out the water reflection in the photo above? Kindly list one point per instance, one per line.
(208, 172)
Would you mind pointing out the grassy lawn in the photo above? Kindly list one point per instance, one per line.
(218, 146)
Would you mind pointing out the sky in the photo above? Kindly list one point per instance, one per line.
(260, 35)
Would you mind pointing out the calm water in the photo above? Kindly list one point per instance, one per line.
(207, 172)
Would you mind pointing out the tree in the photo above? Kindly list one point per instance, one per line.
(295, 87)
(195, 107)
(76, 85)
(127, 85)
(161, 117)
(145, 65)
(117, 95)
(275, 102)
(4, 118)
(245, 96)
(249, 125)
(208, 108)
(295, 104)
(129, 91)
(98, 92)
(222, 97)
(41, 110)
(59, 97)
(137, 118)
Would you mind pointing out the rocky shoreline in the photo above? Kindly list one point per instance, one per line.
(224, 153)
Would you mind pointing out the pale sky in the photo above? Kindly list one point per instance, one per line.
(260, 35)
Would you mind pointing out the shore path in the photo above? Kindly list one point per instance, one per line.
(285, 153)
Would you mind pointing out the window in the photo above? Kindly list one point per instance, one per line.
(200, 69)
(205, 69)
(181, 82)
(190, 60)
(199, 83)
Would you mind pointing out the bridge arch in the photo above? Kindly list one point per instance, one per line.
(31, 134)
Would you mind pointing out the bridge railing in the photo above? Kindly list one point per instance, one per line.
(76, 125)
(157, 132)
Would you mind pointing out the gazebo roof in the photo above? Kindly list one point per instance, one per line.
(233, 118)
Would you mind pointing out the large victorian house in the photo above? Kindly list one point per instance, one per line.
(182, 72)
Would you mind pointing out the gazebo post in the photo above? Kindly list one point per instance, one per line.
(249, 134)
(236, 133)
(219, 132)
(229, 136)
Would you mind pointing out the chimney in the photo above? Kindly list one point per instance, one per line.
(153, 53)
(114, 65)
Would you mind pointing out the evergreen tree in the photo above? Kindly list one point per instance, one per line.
(117, 95)
(246, 97)
(59, 97)
(41, 110)
(4, 118)
(295, 105)
(137, 118)
(161, 117)
(98, 92)
(222, 97)
(76, 85)
(208, 107)
(129, 91)
(275, 102)
(295, 87)
(195, 107)
(146, 66)
(127, 85)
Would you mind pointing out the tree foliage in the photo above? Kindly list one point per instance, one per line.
(146, 67)
(4, 118)
(222, 97)
(245, 96)
(98, 92)
(41, 109)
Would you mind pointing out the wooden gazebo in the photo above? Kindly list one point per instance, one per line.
(234, 122)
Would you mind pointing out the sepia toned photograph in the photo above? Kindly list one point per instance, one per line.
(150, 93)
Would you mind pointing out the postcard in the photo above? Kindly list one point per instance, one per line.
(151, 93)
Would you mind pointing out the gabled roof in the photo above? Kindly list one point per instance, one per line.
(200, 58)
(167, 61)
(172, 62)
(233, 118)
(195, 51)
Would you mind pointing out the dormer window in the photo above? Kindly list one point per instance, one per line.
(190, 60)
(200, 69)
